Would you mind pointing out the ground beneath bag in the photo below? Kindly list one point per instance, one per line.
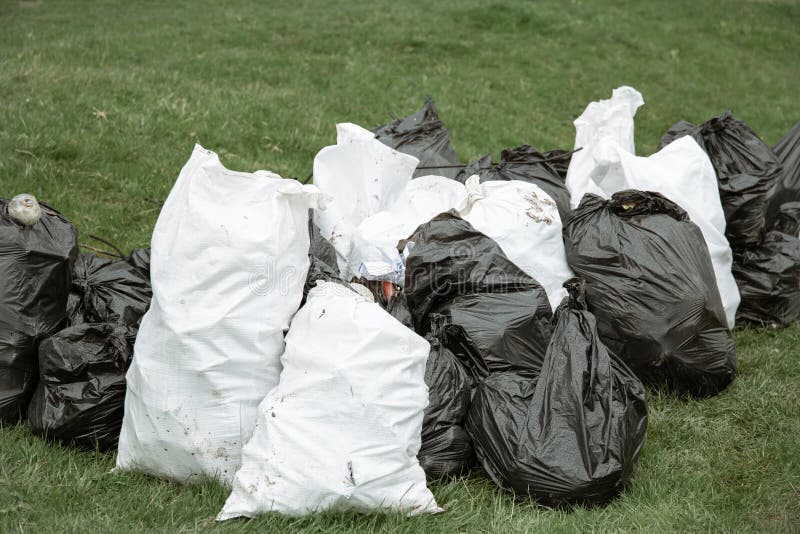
(787, 187)
(81, 392)
(494, 316)
(747, 169)
(424, 136)
(572, 435)
(651, 285)
(341, 430)
(527, 164)
(36, 270)
(107, 291)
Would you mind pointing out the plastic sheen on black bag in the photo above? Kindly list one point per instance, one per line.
(651, 285)
(747, 170)
(424, 136)
(446, 447)
(108, 291)
(81, 393)
(572, 435)
(36, 270)
(496, 317)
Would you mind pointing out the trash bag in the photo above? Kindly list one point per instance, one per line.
(681, 171)
(746, 167)
(362, 177)
(559, 160)
(788, 220)
(446, 449)
(229, 260)
(494, 316)
(375, 254)
(424, 136)
(524, 221)
(140, 259)
(525, 163)
(572, 435)
(651, 285)
(321, 258)
(107, 291)
(81, 392)
(787, 187)
(341, 430)
(35, 269)
(769, 274)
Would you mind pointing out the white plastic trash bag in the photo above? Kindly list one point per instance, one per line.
(374, 254)
(228, 262)
(681, 171)
(362, 176)
(524, 221)
(342, 429)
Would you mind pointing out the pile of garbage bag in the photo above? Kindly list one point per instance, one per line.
(407, 318)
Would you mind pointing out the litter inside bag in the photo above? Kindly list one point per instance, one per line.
(574, 433)
(787, 187)
(651, 285)
(424, 136)
(107, 291)
(36, 270)
(527, 164)
(746, 167)
(446, 447)
(341, 430)
(494, 316)
(81, 392)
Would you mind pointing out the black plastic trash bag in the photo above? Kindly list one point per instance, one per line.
(108, 291)
(495, 317)
(81, 392)
(768, 275)
(322, 258)
(746, 168)
(574, 434)
(140, 259)
(787, 188)
(35, 274)
(527, 164)
(788, 219)
(423, 136)
(650, 282)
(446, 447)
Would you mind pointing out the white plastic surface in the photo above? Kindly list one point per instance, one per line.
(362, 176)
(228, 262)
(342, 429)
(374, 253)
(524, 221)
(681, 171)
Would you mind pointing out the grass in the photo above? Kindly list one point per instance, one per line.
(102, 102)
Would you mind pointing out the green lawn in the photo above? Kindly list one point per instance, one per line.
(101, 103)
